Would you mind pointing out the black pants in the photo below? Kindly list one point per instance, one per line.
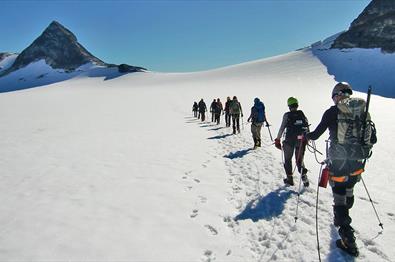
(218, 117)
(236, 123)
(289, 148)
(202, 115)
(195, 113)
(227, 119)
(212, 116)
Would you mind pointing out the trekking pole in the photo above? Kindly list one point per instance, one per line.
(314, 149)
(242, 122)
(270, 133)
(371, 201)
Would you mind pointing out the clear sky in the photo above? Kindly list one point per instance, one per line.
(180, 35)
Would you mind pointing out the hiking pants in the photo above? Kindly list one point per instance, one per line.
(227, 119)
(218, 117)
(343, 200)
(203, 116)
(256, 133)
(212, 116)
(194, 113)
(236, 123)
(289, 147)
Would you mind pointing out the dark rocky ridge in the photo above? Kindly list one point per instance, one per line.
(373, 28)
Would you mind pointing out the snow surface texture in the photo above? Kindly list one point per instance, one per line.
(117, 170)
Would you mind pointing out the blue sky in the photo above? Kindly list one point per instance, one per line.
(177, 35)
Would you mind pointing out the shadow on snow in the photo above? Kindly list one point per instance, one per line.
(219, 137)
(267, 207)
(237, 154)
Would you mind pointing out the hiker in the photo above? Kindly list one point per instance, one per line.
(295, 123)
(195, 109)
(226, 111)
(345, 168)
(235, 111)
(213, 108)
(257, 118)
(202, 109)
(218, 111)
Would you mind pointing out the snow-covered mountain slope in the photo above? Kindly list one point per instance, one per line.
(358, 66)
(6, 60)
(40, 74)
(120, 170)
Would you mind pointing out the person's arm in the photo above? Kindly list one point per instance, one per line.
(282, 127)
(322, 126)
(251, 114)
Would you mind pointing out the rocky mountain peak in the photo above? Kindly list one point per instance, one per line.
(373, 28)
(58, 47)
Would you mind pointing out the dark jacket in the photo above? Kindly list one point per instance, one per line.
(202, 106)
(257, 113)
(328, 121)
(293, 129)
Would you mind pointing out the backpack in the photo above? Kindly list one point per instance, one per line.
(355, 137)
(258, 113)
(234, 107)
(296, 124)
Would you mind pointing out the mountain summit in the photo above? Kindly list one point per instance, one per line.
(373, 28)
(58, 47)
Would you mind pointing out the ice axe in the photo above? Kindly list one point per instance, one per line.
(270, 133)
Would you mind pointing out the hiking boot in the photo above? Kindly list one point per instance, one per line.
(289, 181)
(305, 180)
(258, 143)
(353, 251)
(347, 241)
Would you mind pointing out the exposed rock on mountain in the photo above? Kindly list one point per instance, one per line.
(58, 47)
(373, 28)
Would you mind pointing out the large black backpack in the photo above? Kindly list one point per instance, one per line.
(296, 124)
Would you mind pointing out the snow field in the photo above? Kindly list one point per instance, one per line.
(118, 169)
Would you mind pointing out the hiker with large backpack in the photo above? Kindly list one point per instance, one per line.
(295, 124)
(202, 109)
(351, 135)
(213, 109)
(235, 111)
(218, 111)
(257, 118)
(227, 111)
(195, 109)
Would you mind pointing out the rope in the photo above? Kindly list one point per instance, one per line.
(316, 214)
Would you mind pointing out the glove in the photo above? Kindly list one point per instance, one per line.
(241, 114)
(277, 143)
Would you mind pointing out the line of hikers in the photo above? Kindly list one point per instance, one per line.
(345, 157)
(232, 111)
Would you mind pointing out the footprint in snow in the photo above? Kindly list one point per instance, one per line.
(211, 229)
(194, 213)
(208, 256)
(203, 199)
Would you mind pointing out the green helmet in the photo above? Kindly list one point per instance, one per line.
(292, 101)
